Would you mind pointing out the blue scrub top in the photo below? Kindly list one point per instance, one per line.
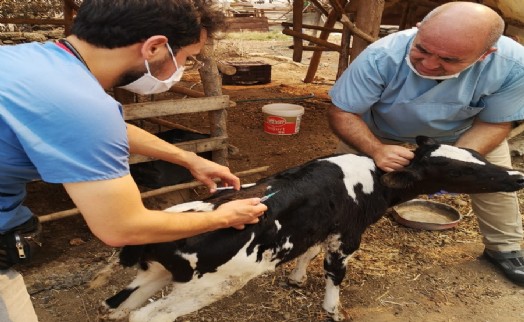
(397, 104)
(56, 124)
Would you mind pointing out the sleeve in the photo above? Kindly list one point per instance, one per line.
(507, 103)
(81, 136)
(360, 86)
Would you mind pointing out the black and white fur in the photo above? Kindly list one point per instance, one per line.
(324, 204)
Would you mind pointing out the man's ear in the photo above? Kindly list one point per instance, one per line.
(487, 53)
(152, 46)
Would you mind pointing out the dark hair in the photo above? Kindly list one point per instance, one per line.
(120, 23)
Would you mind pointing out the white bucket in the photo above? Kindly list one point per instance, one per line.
(282, 118)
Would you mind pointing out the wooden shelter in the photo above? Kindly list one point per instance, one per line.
(361, 21)
(211, 101)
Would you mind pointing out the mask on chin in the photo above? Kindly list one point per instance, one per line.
(408, 61)
(149, 84)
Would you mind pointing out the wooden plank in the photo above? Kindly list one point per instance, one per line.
(145, 110)
(317, 41)
(298, 5)
(247, 23)
(197, 146)
(343, 58)
(33, 21)
(193, 184)
(369, 15)
(334, 30)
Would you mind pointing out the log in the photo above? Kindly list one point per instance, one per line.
(288, 24)
(197, 146)
(315, 58)
(343, 58)
(146, 110)
(172, 125)
(318, 41)
(74, 211)
(212, 83)
(369, 15)
(298, 5)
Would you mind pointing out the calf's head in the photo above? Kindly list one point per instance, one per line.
(438, 167)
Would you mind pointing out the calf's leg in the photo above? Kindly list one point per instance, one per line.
(298, 276)
(335, 261)
(145, 285)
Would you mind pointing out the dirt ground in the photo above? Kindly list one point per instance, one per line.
(399, 274)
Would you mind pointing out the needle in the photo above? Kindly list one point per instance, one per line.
(268, 196)
(247, 185)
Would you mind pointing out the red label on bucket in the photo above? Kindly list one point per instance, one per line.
(280, 125)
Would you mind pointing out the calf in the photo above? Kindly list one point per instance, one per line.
(327, 202)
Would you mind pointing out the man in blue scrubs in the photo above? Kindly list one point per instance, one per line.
(58, 124)
(453, 78)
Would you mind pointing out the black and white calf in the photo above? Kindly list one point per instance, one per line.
(326, 203)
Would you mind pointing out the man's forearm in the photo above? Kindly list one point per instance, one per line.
(352, 130)
(484, 137)
(144, 143)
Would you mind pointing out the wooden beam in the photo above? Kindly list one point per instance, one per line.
(324, 34)
(369, 15)
(197, 146)
(33, 21)
(146, 110)
(151, 193)
(289, 24)
(318, 41)
(314, 48)
(298, 5)
(343, 58)
(319, 7)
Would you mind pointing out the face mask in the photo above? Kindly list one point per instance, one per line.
(408, 61)
(149, 84)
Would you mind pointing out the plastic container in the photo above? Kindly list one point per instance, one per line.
(282, 118)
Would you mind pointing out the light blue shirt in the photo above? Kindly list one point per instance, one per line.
(56, 124)
(397, 104)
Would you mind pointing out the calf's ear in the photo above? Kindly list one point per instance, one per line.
(400, 179)
(424, 140)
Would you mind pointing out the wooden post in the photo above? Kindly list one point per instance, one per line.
(369, 16)
(315, 58)
(69, 8)
(298, 6)
(343, 58)
(212, 83)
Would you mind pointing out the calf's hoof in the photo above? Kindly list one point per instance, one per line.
(297, 283)
(338, 315)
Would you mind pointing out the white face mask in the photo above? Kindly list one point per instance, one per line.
(149, 84)
(408, 61)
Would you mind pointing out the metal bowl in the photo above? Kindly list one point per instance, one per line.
(426, 214)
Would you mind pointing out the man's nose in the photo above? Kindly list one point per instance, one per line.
(431, 62)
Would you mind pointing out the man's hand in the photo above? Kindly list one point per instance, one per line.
(392, 157)
(205, 171)
(242, 212)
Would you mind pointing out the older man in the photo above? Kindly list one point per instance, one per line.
(58, 124)
(454, 78)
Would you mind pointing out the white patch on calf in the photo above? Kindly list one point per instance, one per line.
(200, 292)
(332, 301)
(515, 173)
(287, 244)
(279, 226)
(191, 258)
(191, 206)
(147, 282)
(454, 153)
(356, 169)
